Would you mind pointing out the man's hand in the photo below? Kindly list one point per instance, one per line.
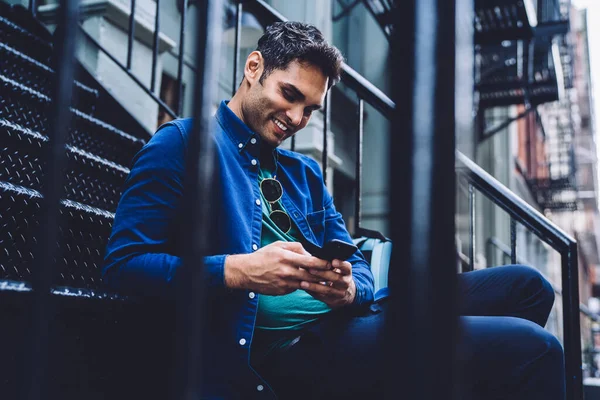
(336, 287)
(275, 269)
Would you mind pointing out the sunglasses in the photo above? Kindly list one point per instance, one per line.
(272, 190)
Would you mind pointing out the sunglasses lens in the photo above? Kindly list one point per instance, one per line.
(271, 189)
(282, 220)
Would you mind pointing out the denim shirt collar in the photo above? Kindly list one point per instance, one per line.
(239, 133)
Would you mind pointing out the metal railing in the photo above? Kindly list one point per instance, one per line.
(548, 232)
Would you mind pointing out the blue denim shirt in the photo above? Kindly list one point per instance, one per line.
(143, 255)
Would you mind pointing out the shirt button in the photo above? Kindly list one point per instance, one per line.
(254, 247)
(257, 202)
(240, 145)
(242, 341)
(253, 162)
(251, 295)
(260, 388)
(253, 140)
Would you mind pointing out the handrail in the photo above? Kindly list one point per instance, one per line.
(511, 203)
(550, 233)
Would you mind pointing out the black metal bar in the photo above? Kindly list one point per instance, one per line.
(131, 35)
(359, 162)
(293, 143)
(155, 47)
(513, 241)
(325, 155)
(472, 227)
(422, 226)
(571, 322)
(35, 374)
(33, 7)
(191, 308)
(236, 46)
(133, 77)
(180, 57)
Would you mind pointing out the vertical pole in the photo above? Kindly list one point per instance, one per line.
(236, 46)
(571, 322)
(191, 308)
(155, 47)
(358, 173)
(36, 364)
(472, 227)
(131, 35)
(180, 57)
(33, 7)
(513, 241)
(422, 204)
(325, 155)
(293, 143)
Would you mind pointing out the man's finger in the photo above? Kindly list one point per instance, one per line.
(344, 267)
(331, 276)
(324, 290)
(307, 261)
(295, 247)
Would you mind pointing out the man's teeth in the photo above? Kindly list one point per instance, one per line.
(280, 125)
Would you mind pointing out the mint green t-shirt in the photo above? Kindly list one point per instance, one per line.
(293, 310)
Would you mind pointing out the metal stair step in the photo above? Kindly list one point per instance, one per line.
(89, 179)
(23, 69)
(21, 39)
(30, 109)
(81, 242)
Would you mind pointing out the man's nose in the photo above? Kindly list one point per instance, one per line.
(295, 115)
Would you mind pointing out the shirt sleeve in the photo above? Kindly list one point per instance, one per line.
(139, 256)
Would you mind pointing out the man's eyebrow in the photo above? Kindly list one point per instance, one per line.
(298, 93)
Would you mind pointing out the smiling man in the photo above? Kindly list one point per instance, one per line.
(282, 321)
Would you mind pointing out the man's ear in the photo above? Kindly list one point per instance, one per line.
(254, 67)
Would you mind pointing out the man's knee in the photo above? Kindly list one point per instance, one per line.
(534, 283)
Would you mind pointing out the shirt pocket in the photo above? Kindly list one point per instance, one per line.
(316, 222)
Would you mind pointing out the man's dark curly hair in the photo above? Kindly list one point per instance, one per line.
(285, 42)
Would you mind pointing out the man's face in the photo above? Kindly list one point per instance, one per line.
(283, 103)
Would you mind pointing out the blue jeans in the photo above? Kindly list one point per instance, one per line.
(505, 351)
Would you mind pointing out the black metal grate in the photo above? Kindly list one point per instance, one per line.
(27, 71)
(28, 108)
(498, 20)
(89, 179)
(84, 231)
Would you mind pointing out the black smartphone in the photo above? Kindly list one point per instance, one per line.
(336, 249)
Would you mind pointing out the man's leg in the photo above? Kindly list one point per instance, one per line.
(335, 352)
(505, 350)
(510, 358)
(512, 290)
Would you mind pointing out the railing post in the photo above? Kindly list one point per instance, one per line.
(325, 155)
(422, 280)
(33, 7)
(191, 308)
(571, 324)
(37, 349)
(236, 45)
(180, 58)
(472, 245)
(513, 241)
(155, 46)
(131, 34)
(359, 161)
